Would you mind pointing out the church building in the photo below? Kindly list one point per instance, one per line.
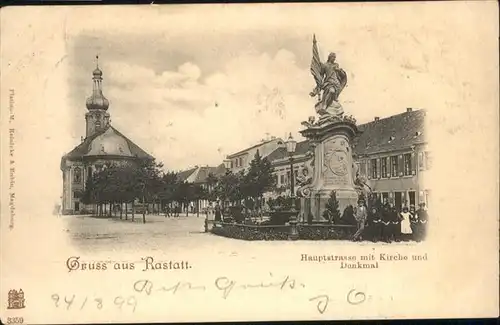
(102, 144)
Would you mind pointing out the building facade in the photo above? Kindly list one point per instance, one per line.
(390, 152)
(240, 161)
(102, 144)
(199, 175)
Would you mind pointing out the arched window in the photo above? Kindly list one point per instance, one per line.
(77, 175)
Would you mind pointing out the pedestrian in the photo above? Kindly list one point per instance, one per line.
(374, 229)
(406, 231)
(422, 222)
(386, 230)
(413, 222)
(360, 215)
(395, 227)
(218, 212)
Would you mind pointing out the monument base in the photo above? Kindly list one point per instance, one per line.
(332, 164)
(320, 199)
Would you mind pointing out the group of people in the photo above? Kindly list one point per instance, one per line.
(216, 211)
(382, 222)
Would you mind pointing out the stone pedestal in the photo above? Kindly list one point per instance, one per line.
(331, 162)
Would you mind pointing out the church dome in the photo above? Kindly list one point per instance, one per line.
(110, 143)
(97, 101)
(97, 72)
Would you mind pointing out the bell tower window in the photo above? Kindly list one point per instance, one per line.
(77, 175)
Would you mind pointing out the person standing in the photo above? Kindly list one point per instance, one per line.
(360, 215)
(395, 232)
(406, 231)
(386, 230)
(218, 212)
(422, 217)
(375, 224)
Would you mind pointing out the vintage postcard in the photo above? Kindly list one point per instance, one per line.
(196, 163)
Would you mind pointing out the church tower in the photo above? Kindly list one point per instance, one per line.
(97, 118)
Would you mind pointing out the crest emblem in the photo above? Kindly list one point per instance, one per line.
(337, 162)
(16, 299)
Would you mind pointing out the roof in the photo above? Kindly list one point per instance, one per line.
(407, 129)
(281, 153)
(200, 174)
(252, 147)
(183, 175)
(392, 133)
(108, 142)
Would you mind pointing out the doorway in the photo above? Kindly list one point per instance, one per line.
(77, 206)
(398, 200)
(411, 195)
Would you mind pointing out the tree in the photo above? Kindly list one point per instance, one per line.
(332, 212)
(260, 179)
(167, 191)
(146, 182)
(212, 181)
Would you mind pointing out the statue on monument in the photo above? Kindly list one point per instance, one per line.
(330, 81)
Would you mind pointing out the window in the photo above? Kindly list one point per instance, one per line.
(89, 172)
(428, 160)
(282, 179)
(407, 164)
(385, 169)
(232, 164)
(362, 168)
(240, 162)
(76, 194)
(373, 163)
(77, 175)
(421, 158)
(394, 166)
(385, 197)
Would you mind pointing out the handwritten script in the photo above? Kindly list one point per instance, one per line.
(223, 286)
(228, 287)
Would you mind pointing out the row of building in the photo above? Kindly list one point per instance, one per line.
(390, 152)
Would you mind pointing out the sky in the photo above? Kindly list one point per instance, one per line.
(191, 84)
(190, 95)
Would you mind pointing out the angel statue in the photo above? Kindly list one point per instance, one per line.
(330, 79)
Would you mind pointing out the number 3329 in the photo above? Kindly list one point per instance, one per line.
(15, 320)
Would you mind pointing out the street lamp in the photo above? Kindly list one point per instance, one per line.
(291, 144)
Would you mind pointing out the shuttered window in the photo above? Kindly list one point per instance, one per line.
(373, 164)
(407, 164)
(394, 166)
(428, 160)
(421, 161)
(385, 167)
(400, 165)
(413, 163)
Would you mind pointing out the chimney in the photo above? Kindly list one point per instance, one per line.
(409, 109)
(376, 118)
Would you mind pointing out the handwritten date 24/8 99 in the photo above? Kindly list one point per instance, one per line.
(74, 302)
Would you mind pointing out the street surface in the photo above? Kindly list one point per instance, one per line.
(158, 233)
(167, 234)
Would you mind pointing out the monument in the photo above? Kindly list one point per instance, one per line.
(330, 166)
